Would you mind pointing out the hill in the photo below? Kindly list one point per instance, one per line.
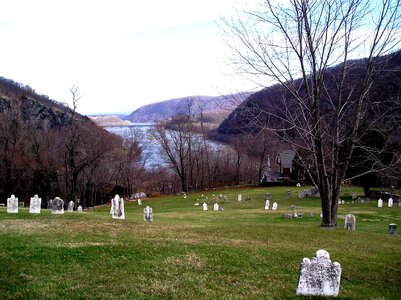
(214, 106)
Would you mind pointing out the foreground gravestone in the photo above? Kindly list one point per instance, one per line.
(216, 207)
(57, 206)
(349, 222)
(70, 207)
(392, 229)
(79, 209)
(274, 207)
(12, 205)
(204, 206)
(148, 214)
(380, 203)
(319, 276)
(117, 208)
(390, 202)
(267, 204)
(34, 205)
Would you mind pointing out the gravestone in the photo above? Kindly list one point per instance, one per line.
(354, 196)
(392, 229)
(321, 215)
(274, 207)
(196, 203)
(298, 184)
(117, 208)
(50, 204)
(79, 209)
(390, 202)
(380, 203)
(57, 206)
(343, 202)
(185, 196)
(307, 193)
(267, 205)
(34, 205)
(139, 202)
(21, 204)
(349, 222)
(268, 196)
(70, 207)
(399, 203)
(319, 276)
(339, 201)
(148, 214)
(239, 198)
(12, 205)
(204, 206)
(216, 207)
(301, 194)
(288, 194)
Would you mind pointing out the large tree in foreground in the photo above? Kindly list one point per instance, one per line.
(296, 43)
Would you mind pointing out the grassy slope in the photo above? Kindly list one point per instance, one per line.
(186, 253)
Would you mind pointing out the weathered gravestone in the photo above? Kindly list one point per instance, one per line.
(267, 204)
(49, 204)
(12, 205)
(274, 207)
(204, 206)
(354, 196)
(239, 198)
(70, 207)
(349, 222)
(79, 209)
(57, 206)
(34, 205)
(380, 203)
(390, 202)
(288, 194)
(117, 208)
(268, 196)
(148, 214)
(319, 276)
(392, 229)
(139, 202)
(216, 207)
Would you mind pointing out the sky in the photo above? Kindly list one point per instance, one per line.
(122, 54)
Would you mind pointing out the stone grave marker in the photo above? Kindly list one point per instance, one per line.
(216, 207)
(390, 202)
(301, 194)
(307, 193)
(79, 209)
(57, 206)
(268, 196)
(21, 204)
(239, 198)
(12, 205)
(274, 207)
(354, 196)
(139, 202)
(392, 229)
(204, 206)
(314, 192)
(117, 208)
(148, 214)
(70, 207)
(267, 204)
(380, 203)
(298, 184)
(288, 194)
(34, 205)
(319, 276)
(349, 222)
(343, 202)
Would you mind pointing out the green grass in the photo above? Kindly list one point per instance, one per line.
(242, 252)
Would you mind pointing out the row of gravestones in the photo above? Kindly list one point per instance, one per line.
(56, 205)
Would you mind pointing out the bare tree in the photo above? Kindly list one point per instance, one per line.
(296, 44)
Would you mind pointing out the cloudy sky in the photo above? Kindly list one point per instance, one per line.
(121, 53)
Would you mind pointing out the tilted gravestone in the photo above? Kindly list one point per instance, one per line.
(58, 206)
(349, 222)
(34, 205)
(12, 205)
(319, 276)
(148, 214)
(117, 208)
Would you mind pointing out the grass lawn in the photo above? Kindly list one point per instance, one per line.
(242, 252)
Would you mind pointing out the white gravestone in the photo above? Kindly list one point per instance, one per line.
(390, 202)
(267, 205)
(79, 209)
(34, 205)
(216, 207)
(70, 207)
(319, 276)
(239, 198)
(380, 203)
(139, 202)
(204, 206)
(117, 208)
(274, 207)
(148, 214)
(58, 206)
(349, 222)
(12, 205)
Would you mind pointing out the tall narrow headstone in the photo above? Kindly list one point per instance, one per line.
(216, 207)
(70, 207)
(274, 207)
(319, 276)
(117, 208)
(349, 222)
(390, 202)
(58, 206)
(12, 205)
(380, 203)
(204, 206)
(267, 205)
(239, 198)
(148, 214)
(34, 205)
(392, 229)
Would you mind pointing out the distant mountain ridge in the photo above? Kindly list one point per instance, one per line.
(166, 109)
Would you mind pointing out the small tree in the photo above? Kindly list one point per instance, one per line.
(320, 113)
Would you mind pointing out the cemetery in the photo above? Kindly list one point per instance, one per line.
(266, 244)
